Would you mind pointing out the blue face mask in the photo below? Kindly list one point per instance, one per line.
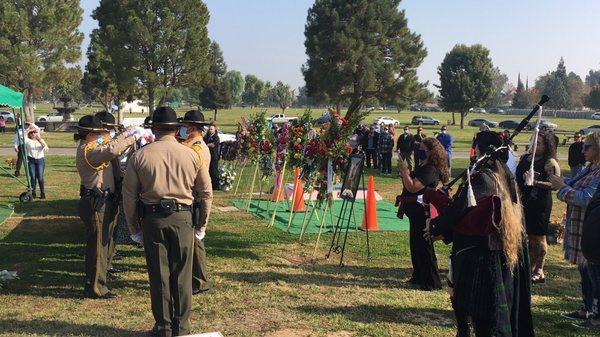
(183, 132)
(112, 134)
(422, 154)
(100, 139)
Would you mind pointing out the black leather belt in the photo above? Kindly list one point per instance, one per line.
(158, 208)
(85, 192)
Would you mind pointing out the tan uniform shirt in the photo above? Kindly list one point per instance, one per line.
(93, 162)
(163, 169)
(203, 185)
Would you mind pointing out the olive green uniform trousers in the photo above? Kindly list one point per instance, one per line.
(168, 243)
(97, 230)
(199, 272)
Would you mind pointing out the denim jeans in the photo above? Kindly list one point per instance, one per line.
(594, 275)
(36, 172)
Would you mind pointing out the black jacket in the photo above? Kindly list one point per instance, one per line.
(590, 236)
(576, 157)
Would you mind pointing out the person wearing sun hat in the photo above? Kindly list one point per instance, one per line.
(160, 181)
(191, 133)
(93, 161)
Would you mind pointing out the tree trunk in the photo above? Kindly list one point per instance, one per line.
(462, 120)
(28, 105)
(150, 90)
(215, 119)
(453, 119)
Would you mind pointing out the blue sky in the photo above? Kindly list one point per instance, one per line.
(266, 37)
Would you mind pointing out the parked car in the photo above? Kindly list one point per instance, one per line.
(432, 109)
(511, 125)
(54, 116)
(280, 119)
(9, 117)
(424, 120)
(590, 129)
(595, 115)
(478, 110)
(544, 125)
(481, 121)
(387, 121)
(497, 111)
(415, 107)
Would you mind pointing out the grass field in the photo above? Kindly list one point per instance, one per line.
(227, 121)
(265, 283)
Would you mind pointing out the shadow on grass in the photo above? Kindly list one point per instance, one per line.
(334, 277)
(57, 328)
(386, 314)
(62, 207)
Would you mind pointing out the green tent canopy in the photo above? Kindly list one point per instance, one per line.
(10, 98)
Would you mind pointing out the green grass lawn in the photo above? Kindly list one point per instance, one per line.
(227, 120)
(265, 283)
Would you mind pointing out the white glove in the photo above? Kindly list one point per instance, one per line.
(137, 237)
(199, 234)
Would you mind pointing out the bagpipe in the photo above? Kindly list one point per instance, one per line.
(441, 198)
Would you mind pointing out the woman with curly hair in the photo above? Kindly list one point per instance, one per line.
(537, 200)
(433, 168)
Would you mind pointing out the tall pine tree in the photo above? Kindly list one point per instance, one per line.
(215, 93)
(358, 49)
(520, 100)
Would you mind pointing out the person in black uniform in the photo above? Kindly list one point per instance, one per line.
(212, 141)
(489, 266)
(537, 200)
(433, 169)
(576, 158)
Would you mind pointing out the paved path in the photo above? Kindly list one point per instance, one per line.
(70, 151)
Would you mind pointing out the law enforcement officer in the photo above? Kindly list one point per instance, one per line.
(158, 186)
(191, 133)
(109, 123)
(93, 161)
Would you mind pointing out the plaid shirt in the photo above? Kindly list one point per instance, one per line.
(577, 194)
(386, 143)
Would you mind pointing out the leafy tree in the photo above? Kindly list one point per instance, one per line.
(303, 100)
(577, 91)
(466, 79)
(254, 91)
(359, 49)
(215, 93)
(592, 78)
(283, 95)
(414, 93)
(236, 85)
(165, 43)
(39, 41)
(99, 80)
(555, 85)
(592, 100)
(498, 95)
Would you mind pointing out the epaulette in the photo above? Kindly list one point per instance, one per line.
(91, 146)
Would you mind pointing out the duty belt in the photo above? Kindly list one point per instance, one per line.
(86, 192)
(158, 208)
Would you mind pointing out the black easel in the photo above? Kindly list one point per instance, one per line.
(338, 229)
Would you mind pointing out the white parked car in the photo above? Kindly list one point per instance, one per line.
(9, 117)
(595, 115)
(387, 121)
(590, 129)
(223, 137)
(54, 116)
(280, 119)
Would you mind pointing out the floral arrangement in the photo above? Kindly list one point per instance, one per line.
(226, 177)
(331, 144)
(261, 144)
(283, 139)
(299, 136)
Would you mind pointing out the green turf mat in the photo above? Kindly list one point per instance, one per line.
(386, 215)
(5, 213)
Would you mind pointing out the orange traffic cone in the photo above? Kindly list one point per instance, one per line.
(370, 217)
(278, 193)
(298, 197)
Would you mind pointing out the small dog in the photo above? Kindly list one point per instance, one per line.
(11, 162)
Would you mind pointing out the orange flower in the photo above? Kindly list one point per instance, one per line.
(348, 149)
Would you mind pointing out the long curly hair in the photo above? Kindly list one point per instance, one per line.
(549, 144)
(437, 157)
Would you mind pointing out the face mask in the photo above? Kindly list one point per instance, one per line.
(183, 132)
(422, 154)
(406, 131)
(112, 134)
(444, 131)
(100, 139)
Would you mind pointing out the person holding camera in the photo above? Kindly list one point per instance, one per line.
(158, 192)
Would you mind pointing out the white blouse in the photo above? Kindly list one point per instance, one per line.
(34, 148)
